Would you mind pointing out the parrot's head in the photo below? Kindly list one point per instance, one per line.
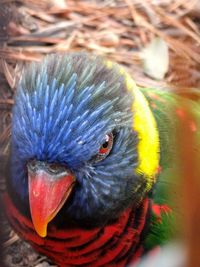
(75, 149)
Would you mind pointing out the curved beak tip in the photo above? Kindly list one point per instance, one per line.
(39, 220)
(41, 230)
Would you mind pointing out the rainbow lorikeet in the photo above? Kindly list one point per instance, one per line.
(89, 155)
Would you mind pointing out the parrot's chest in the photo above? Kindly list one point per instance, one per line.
(116, 244)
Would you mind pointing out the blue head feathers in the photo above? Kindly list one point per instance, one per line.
(65, 107)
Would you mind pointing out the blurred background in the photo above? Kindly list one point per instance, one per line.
(157, 41)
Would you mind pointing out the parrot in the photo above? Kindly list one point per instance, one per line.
(90, 158)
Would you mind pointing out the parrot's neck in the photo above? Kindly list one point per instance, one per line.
(118, 243)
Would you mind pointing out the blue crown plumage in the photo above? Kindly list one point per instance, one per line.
(64, 108)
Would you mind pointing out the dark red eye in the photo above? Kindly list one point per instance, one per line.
(106, 146)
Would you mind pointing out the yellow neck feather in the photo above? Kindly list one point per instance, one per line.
(145, 125)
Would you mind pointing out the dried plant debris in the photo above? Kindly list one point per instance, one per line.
(120, 30)
(156, 59)
(6, 14)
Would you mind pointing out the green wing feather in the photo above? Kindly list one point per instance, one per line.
(166, 106)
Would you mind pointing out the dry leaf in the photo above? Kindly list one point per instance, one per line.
(156, 59)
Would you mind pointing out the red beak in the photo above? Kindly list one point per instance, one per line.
(48, 191)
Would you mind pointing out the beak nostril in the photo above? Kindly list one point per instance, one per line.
(54, 168)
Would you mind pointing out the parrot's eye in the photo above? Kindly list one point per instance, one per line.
(105, 147)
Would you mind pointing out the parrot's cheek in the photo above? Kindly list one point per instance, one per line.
(47, 195)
